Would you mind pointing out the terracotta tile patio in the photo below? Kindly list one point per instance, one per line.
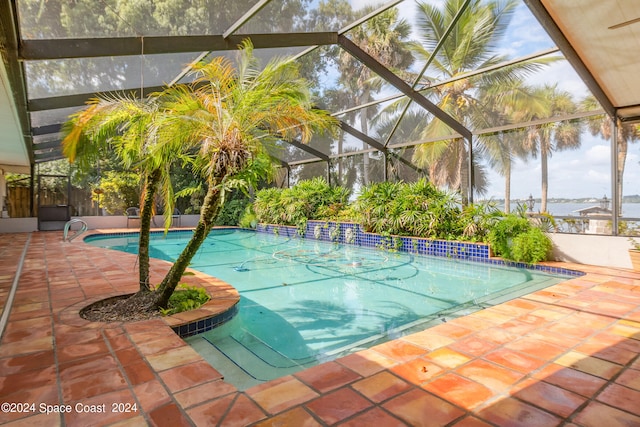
(566, 355)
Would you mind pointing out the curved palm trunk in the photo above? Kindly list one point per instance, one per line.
(146, 212)
(210, 209)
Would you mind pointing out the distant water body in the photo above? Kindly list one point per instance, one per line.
(629, 210)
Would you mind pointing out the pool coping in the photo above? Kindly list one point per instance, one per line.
(221, 307)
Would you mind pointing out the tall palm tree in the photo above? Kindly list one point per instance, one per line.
(627, 133)
(513, 102)
(384, 37)
(124, 125)
(550, 137)
(229, 114)
(471, 46)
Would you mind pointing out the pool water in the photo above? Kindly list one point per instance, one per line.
(304, 302)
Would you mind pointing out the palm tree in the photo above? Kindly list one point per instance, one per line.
(627, 133)
(550, 137)
(384, 37)
(471, 46)
(512, 103)
(229, 114)
(124, 125)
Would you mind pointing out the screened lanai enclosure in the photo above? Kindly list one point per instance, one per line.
(524, 102)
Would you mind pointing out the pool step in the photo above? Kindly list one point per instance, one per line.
(268, 353)
(258, 360)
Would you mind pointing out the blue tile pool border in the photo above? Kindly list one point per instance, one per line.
(354, 234)
(206, 324)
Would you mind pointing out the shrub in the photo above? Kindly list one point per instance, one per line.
(185, 298)
(249, 218)
(416, 209)
(119, 190)
(503, 232)
(531, 246)
(478, 220)
(515, 238)
(309, 199)
(232, 210)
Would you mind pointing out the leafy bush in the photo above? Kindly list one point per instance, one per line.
(531, 246)
(310, 199)
(186, 298)
(515, 238)
(503, 232)
(119, 190)
(233, 209)
(249, 218)
(408, 209)
(478, 220)
(415, 209)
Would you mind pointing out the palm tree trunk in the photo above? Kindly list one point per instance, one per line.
(364, 127)
(210, 209)
(340, 144)
(622, 158)
(150, 187)
(507, 186)
(545, 175)
(463, 166)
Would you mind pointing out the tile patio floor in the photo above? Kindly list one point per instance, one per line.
(566, 355)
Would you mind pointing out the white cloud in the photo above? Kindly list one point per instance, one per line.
(598, 155)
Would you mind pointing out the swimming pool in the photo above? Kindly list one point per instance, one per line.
(304, 302)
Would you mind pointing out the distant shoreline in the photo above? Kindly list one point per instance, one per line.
(625, 200)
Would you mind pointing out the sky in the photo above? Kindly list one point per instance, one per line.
(572, 174)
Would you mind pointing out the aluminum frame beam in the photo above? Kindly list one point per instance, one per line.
(10, 44)
(308, 149)
(245, 18)
(402, 86)
(362, 136)
(542, 15)
(79, 99)
(34, 50)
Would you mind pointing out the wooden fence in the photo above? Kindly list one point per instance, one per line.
(80, 201)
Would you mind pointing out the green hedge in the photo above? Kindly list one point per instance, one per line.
(407, 209)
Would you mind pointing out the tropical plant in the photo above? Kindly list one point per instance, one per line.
(471, 46)
(229, 114)
(514, 237)
(118, 191)
(603, 126)
(531, 246)
(226, 114)
(185, 298)
(233, 209)
(127, 127)
(512, 102)
(556, 136)
(503, 232)
(385, 38)
(414, 209)
(308, 200)
(478, 220)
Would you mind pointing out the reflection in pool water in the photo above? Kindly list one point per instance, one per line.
(304, 301)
